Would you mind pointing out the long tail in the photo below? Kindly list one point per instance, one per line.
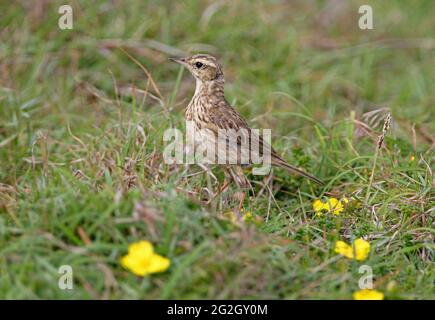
(281, 163)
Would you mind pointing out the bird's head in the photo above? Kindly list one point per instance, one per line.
(203, 67)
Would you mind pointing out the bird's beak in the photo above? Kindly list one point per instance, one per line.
(178, 60)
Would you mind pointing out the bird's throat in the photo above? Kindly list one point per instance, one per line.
(213, 89)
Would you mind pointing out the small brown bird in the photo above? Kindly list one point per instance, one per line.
(210, 113)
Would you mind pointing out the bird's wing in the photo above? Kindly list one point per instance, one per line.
(224, 116)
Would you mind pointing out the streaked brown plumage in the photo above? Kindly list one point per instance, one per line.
(209, 111)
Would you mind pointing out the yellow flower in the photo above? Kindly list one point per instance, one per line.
(231, 216)
(332, 205)
(344, 249)
(411, 158)
(247, 217)
(318, 206)
(362, 249)
(359, 251)
(142, 261)
(367, 294)
(335, 206)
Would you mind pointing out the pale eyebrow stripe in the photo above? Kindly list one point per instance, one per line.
(202, 57)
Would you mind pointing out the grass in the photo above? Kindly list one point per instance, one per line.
(81, 127)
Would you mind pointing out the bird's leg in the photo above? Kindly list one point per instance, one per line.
(238, 176)
(241, 195)
(227, 181)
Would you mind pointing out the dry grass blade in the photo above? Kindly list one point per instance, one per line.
(147, 73)
(385, 129)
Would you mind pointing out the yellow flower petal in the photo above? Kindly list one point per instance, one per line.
(359, 251)
(335, 206)
(158, 264)
(344, 249)
(331, 205)
(247, 217)
(133, 264)
(362, 249)
(143, 248)
(141, 259)
(231, 216)
(318, 205)
(367, 294)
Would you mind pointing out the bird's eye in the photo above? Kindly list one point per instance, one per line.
(198, 65)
